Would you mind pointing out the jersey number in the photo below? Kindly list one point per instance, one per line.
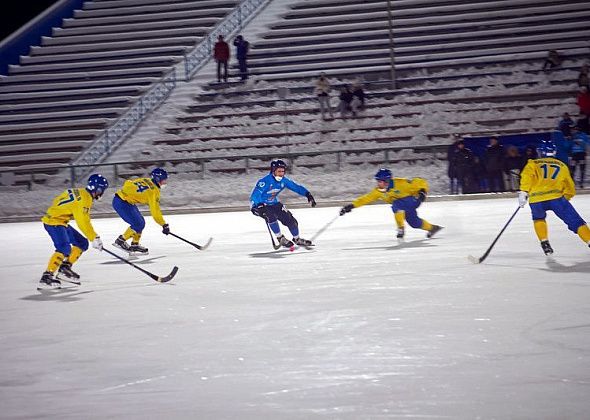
(141, 186)
(546, 167)
(67, 200)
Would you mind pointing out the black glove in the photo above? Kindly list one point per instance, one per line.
(422, 196)
(310, 199)
(346, 209)
(166, 229)
(259, 210)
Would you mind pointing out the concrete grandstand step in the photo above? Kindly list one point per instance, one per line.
(126, 86)
(198, 30)
(13, 115)
(199, 18)
(103, 42)
(211, 9)
(23, 127)
(83, 37)
(98, 55)
(108, 4)
(39, 158)
(101, 97)
(86, 134)
(105, 64)
(26, 148)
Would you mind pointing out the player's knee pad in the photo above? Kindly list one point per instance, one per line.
(64, 248)
(414, 221)
(138, 225)
(81, 243)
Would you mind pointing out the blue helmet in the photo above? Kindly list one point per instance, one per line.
(383, 175)
(158, 175)
(97, 184)
(277, 163)
(547, 149)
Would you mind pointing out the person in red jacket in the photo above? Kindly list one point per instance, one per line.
(221, 55)
(583, 100)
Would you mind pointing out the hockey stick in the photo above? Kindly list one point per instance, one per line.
(199, 247)
(323, 229)
(153, 276)
(479, 260)
(272, 238)
(69, 281)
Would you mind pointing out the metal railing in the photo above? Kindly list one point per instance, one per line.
(116, 133)
(336, 159)
(229, 26)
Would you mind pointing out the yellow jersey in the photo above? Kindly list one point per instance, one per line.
(72, 203)
(398, 188)
(143, 191)
(546, 179)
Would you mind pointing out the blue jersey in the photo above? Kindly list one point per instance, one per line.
(268, 188)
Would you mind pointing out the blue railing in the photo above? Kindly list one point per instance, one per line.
(230, 25)
(114, 135)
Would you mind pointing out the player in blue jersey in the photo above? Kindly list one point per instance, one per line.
(264, 203)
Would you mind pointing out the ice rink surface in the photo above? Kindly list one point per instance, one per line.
(358, 328)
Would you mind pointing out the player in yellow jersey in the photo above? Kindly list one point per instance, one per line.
(139, 191)
(69, 243)
(548, 186)
(404, 195)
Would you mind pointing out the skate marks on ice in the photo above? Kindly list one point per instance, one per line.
(552, 265)
(282, 253)
(135, 260)
(420, 243)
(62, 294)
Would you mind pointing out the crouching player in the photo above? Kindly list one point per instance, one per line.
(265, 204)
(139, 191)
(548, 186)
(69, 243)
(404, 195)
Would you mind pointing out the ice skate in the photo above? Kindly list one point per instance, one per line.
(121, 244)
(400, 234)
(65, 269)
(48, 282)
(136, 249)
(433, 231)
(285, 242)
(546, 248)
(302, 242)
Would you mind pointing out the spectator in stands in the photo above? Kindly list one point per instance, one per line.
(565, 124)
(494, 162)
(579, 145)
(553, 60)
(463, 161)
(583, 100)
(221, 55)
(242, 48)
(530, 152)
(583, 123)
(452, 170)
(322, 90)
(346, 104)
(513, 165)
(583, 78)
(358, 95)
(480, 176)
(562, 146)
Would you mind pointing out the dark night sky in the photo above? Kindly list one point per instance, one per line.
(15, 13)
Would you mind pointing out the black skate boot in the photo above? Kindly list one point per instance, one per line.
(432, 232)
(546, 247)
(121, 243)
(400, 233)
(48, 281)
(137, 249)
(66, 269)
(285, 242)
(302, 242)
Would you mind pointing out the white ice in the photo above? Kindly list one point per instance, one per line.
(358, 328)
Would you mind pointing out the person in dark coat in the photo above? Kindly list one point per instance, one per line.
(463, 161)
(221, 55)
(530, 152)
(565, 124)
(513, 164)
(452, 171)
(494, 161)
(242, 48)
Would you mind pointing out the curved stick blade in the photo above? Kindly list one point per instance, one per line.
(169, 276)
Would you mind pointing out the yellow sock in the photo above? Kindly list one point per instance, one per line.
(541, 230)
(426, 225)
(136, 238)
(584, 233)
(75, 254)
(400, 217)
(128, 233)
(55, 261)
